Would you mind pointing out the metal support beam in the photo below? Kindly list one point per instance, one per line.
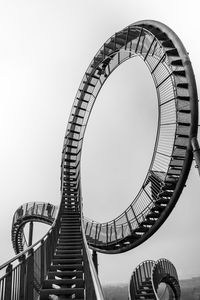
(196, 152)
(95, 260)
(8, 283)
(30, 237)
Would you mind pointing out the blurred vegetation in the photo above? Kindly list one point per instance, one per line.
(190, 290)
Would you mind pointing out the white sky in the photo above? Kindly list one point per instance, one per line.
(45, 48)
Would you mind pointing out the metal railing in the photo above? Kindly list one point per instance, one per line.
(164, 271)
(140, 275)
(24, 274)
(93, 287)
(177, 103)
(31, 211)
(35, 209)
(148, 275)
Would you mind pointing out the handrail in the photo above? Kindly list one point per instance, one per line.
(165, 266)
(161, 270)
(28, 249)
(155, 293)
(37, 210)
(170, 85)
(95, 279)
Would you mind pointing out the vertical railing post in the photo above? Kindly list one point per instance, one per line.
(110, 232)
(26, 209)
(22, 278)
(99, 232)
(43, 207)
(106, 233)
(30, 236)
(42, 263)
(8, 283)
(122, 227)
(47, 256)
(29, 276)
(115, 230)
(96, 230)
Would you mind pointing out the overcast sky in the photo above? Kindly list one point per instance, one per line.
(45, 48)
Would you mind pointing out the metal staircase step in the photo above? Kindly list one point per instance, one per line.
(177, 62)
(68, 267)
(73, 245)
(69, 247)
(67, 230)
(154, 215)
(182, 85)
(69, 240)
(141, 229)
(162, 201)
(69, 274)
(71, 213)
(172, 52)
(67, 260)
(72, 221)
(68, 256)
(70, 233)
(73, 228)
(166, 194)
(68, 251)
(168, 44)
(179, 73)
(78, 292)
(148, 222)
(157, 208)
(78, 282)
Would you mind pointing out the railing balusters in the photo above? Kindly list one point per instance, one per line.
(42, 264)
(29, 276)
(8, 282)
(22, 278)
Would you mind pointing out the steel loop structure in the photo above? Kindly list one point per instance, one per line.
(26, 213)
(147, 277)
(170, 67)
(60, 265)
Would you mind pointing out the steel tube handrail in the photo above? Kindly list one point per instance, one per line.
(167, 81)
(158, 271)
(97, 286)
(161, 264)
(28, 249)
(38, 215)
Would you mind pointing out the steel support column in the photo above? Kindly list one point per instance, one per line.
(30, 237)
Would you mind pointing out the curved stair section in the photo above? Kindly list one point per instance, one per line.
(30, 212)
(170, 67)
(59, 265)
(164, 271)
(147, 277)
(140, 286)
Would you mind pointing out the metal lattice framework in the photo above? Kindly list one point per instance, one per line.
(60, 264)
(26, 213)
(147, 277)
(170, 67)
